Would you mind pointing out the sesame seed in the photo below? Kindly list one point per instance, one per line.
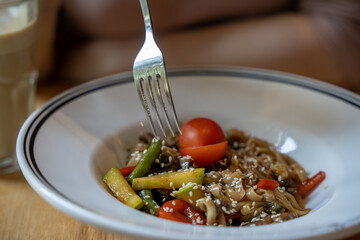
(134, 153)
(275, 216)
(225, 210)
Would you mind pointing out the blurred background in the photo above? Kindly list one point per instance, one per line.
(80, 40)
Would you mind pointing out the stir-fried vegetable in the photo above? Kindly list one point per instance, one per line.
(203, 140)
(309, 185)
(268, 184)
(121, 189)
(190, 193)
(171, 180)
(125, 171)
(200, 132)
(147, 160)
(180, 211)
(150, 206)
(243, 189)
(205, 155)
(272, 207)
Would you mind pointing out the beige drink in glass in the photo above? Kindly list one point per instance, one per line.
(18, 73)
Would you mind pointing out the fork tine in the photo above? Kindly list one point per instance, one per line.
(165, 81)
(140, 89)
(149, 83)
(161, 100)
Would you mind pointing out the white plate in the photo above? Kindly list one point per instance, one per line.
(65, 147)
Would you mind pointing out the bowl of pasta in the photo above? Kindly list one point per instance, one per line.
(262, 155)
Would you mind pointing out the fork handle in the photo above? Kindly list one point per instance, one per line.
(146, 15)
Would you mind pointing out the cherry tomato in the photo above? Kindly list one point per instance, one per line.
(205, 155)
(181, 211)
(203, 140)
(200, 132)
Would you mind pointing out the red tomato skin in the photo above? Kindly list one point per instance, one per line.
(181, 211)
(205, 155)
(268, 184)
(200, 132)
(174, 216)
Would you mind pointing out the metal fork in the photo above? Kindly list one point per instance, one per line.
(149, 73)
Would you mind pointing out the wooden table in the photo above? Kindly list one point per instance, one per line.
(25, 215)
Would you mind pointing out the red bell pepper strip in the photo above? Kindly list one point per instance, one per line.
(181, 211)
(125, 171)
(268, 184)
(309, 185)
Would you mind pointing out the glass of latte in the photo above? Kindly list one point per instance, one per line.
(18, 73)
